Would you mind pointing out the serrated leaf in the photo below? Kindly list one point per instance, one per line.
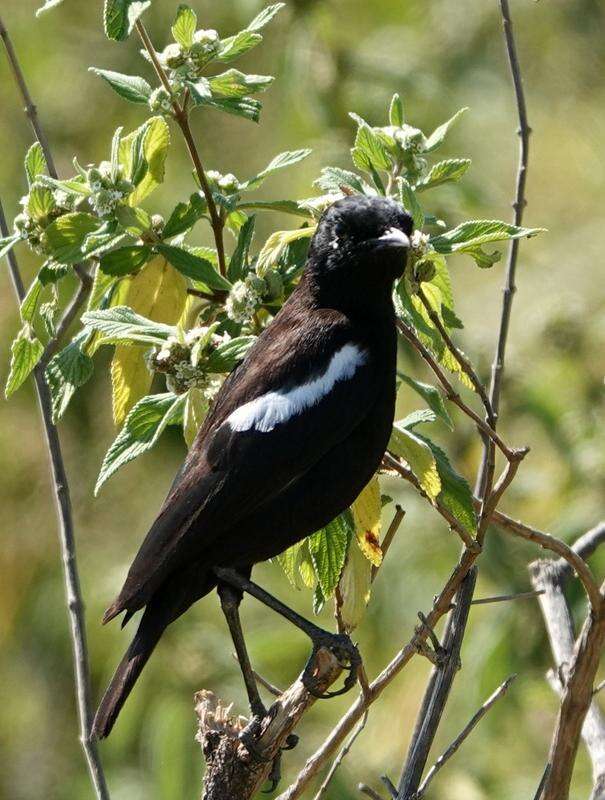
(366, 512)
(236, 84)
(274, 247)
(184, 25)
(410, 203)
(66, 372)
(184, 216)
(279, 162)
(431, 395)
(142, 429)
(482, 259)
(265, 16)
(456, 494)
(396, 113)
(479, 231)
(228, 355)
(119, 17)
(26, 351)
(64, 238)
(135, 221)
(419, 456)
(125, 260)
(282, 206)
(452, 169)
(332, 179)
(289, 561)
(27, 309)
(158, 292)
(246, 107)
(438, 135)
(239, 258)
(35, 163)
(369, 152)
(235, 46)
(418, 417)
(328, 549)
(306, 569)
(354, 587)
(196, 408)
(40, 203)
(193, 266)
(130, 87)
(122, 324)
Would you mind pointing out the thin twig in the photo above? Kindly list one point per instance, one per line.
(389, 536)
(340, 757)
(584, 547)
(504, 598)
(464, 733)
(181, 117)
(270, 687)
(368, 791)
(73, 592)
(70, 314)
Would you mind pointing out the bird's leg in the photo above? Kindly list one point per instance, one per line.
(230, 601)
(340, 644)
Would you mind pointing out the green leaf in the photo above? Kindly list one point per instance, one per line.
(239, 259)
(130, 87)
(51, 273)
(27, 309)
(40, 203)
(456, 494)
(119, 17)
(65, 236)
(235, 46)
(199, 269)
(276, 244)
(122, 324)
(482, 259)
(328, 548)
(279, 162)
(228, 355)
(134, 220)
(438, 135)
(283, 206)
(26, 351)
(410, 203)
(332, 179)
(35, 163)
(265, 16)
(184, 25)
(396, 115)
(143, 156)
(418, 454)
(451, 169)
(142, 429)
(184, 216)
(7, 244)
(418, 417)
(289, 561)
(432, 397)
(125, 260)
(66, 372)
(235, 84)
(369, 152)
(246, 107)
(479, 231)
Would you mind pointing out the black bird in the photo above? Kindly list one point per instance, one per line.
(296, 432)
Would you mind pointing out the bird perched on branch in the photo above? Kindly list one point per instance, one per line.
(296, 432)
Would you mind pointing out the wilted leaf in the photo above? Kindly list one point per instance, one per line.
(354, 587)
(366, 512)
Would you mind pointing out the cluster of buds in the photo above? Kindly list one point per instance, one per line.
(187, 63)
(108, 188)
(30, 227)
(184, 359)
(226, 184)
(247, 296)
(422, 266)
(160, 101)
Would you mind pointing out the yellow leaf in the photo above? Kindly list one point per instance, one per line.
(196, 408)
(155, 148)
(354, 588)
(366, 515)
(419, 456)
(159, 293)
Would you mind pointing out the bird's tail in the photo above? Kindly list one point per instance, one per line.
(125, 676)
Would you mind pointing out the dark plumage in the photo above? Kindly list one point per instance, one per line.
(295, 433)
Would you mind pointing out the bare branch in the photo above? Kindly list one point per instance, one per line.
(340, 757)
(438, 689)
(503, 598)
(455, 745)
(584, 547)
(547, 578)
(73, 592)
(368, 791)
(389, 536)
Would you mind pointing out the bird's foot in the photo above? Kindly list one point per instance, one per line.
(347, 655)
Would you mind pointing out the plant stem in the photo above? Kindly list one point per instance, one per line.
(73, 592)
(181, 117)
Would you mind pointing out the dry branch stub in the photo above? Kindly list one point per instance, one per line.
(235, 770)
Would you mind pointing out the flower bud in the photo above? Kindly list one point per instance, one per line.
(274, 283)
(172, 56)
(424, 270)
(160, 100)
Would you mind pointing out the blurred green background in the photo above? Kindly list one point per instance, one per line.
(330, 57)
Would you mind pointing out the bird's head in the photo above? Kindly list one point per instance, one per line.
(361, 243)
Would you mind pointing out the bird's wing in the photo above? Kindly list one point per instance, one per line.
(304, 386)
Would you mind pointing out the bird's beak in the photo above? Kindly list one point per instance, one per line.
(393, 238)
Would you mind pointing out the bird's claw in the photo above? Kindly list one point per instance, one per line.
(347, 655)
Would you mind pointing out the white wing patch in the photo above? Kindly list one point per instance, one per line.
(273, 408)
